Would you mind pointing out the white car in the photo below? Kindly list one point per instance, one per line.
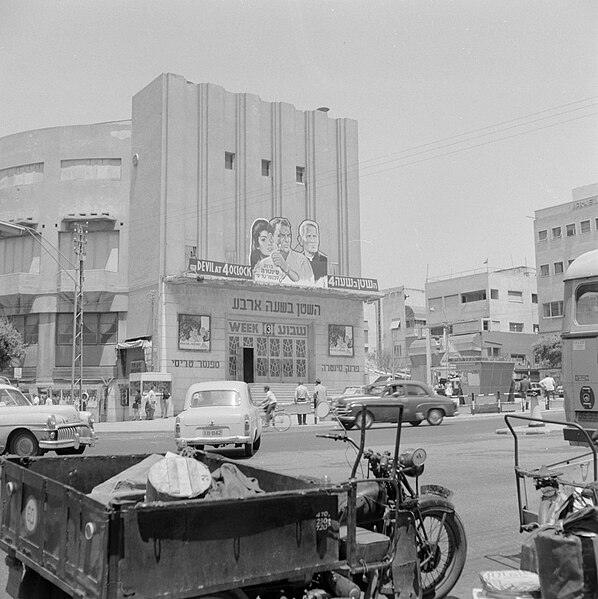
(28, 430)
(219, 413)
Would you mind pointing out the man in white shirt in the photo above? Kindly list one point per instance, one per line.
(269, 404)
(548, 386)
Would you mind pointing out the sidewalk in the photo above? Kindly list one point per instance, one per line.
(166, 425)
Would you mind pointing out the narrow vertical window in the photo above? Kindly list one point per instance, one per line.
(229, 161)
(266, 164)
(300, 175)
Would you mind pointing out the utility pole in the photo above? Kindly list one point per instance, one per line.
(79, 246)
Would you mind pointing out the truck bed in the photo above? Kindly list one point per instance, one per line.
(172, 549)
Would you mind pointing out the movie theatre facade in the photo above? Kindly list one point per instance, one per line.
(224, 243)
(245, 228)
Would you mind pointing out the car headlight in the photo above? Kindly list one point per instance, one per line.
(90, 420)
(51, 421)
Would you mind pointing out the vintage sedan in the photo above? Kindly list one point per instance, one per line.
(28, 430)
(418, 400)
(219, 413)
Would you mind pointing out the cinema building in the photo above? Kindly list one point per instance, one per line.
(223, 243)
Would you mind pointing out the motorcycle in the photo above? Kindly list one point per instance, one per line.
(391, 487)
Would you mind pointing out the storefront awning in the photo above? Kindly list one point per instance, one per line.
(133, 344)
(467, 342)
(395, 324)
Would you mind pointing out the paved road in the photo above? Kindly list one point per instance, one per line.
(465, 454)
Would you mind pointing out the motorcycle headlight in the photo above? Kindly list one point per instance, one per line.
(413, 457)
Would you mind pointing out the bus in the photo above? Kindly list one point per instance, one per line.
(580, 344)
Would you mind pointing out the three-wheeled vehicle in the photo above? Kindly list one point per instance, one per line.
(299, 538)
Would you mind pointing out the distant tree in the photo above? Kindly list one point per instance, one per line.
(548, 351)
(11, 344)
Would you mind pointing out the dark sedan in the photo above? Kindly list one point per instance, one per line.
(418, 400)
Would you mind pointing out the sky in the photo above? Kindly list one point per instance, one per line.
(472, 114)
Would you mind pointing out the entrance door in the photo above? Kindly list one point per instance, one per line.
(248, 365)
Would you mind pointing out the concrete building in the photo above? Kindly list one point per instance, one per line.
(402, 314)
(176, 289)
(561, 234)
(484, 314)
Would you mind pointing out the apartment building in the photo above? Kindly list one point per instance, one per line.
(561, 234)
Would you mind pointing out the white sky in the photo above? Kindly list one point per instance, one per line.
(415, 74)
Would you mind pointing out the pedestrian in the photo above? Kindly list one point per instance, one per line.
(36, 400)
(302, 399)
(137, 405)
(150, 404)
(320, 396)
(269, 404)
(548, 386)
(524, 389)
(164, 404)
(48, 400)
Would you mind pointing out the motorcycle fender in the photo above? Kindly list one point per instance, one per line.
(406, 574)
(436, 490)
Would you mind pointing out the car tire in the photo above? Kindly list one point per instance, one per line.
(435, 417)
(24, 444)
(256, 444)
(249, 451)
(369, 420)
(415, 422)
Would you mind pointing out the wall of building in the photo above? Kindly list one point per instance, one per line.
(81, 174)
(554, 251)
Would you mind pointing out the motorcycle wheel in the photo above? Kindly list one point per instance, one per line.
(441, 546)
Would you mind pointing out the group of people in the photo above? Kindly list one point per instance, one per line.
(302, 398)
(149, 401)
(273, 260)
(449, 387)
(547, 385)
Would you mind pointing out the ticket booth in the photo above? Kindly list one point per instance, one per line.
(142, 382)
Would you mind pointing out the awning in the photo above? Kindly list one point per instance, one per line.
(133, 344)
(467, 342)
(395, 324)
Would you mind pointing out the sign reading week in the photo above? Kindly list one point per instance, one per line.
(227, 270)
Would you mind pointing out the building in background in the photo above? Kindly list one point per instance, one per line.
(487, 314)
(562, 233)
(220, 245)
(402, 314)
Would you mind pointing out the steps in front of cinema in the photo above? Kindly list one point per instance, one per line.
(285, 392)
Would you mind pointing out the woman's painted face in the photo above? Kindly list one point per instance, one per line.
(264, 243)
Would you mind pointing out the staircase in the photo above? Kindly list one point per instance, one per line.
(285, 392)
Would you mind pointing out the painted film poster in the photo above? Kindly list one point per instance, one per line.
(194, 332)
(340, 340)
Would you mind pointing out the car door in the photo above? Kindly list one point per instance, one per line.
(415, 396)
(392, 396)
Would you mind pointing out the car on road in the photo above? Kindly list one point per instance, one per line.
(28, 430)
(418, 400)
(560, 391)
(219, 413)
(371, 389)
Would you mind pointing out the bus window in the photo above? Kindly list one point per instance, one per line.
(586, 304)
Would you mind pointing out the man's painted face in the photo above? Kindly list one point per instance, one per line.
(310, 239)
(264, 243)
(283, 238)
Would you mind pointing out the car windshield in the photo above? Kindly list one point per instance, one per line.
(12, 397)
(215, 397)
(352, 390)
(374, 389)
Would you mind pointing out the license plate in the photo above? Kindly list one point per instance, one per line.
(213, 432)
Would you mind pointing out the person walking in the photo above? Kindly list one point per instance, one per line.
(137, 405)
(302, 399)
(36, 400)
(269, 404)
(320, 396)
(524, 389)
(150, 404)
(548, 386)
(164, 404)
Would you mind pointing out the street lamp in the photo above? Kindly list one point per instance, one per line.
(14, 230)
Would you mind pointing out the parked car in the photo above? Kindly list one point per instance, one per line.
(560, 391)
(28, 430)
(217, 414)
(535, 390)
(418, 400)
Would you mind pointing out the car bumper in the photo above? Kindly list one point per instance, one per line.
(228, 440)
(66, 437)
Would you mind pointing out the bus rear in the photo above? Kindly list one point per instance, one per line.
(580, 343)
